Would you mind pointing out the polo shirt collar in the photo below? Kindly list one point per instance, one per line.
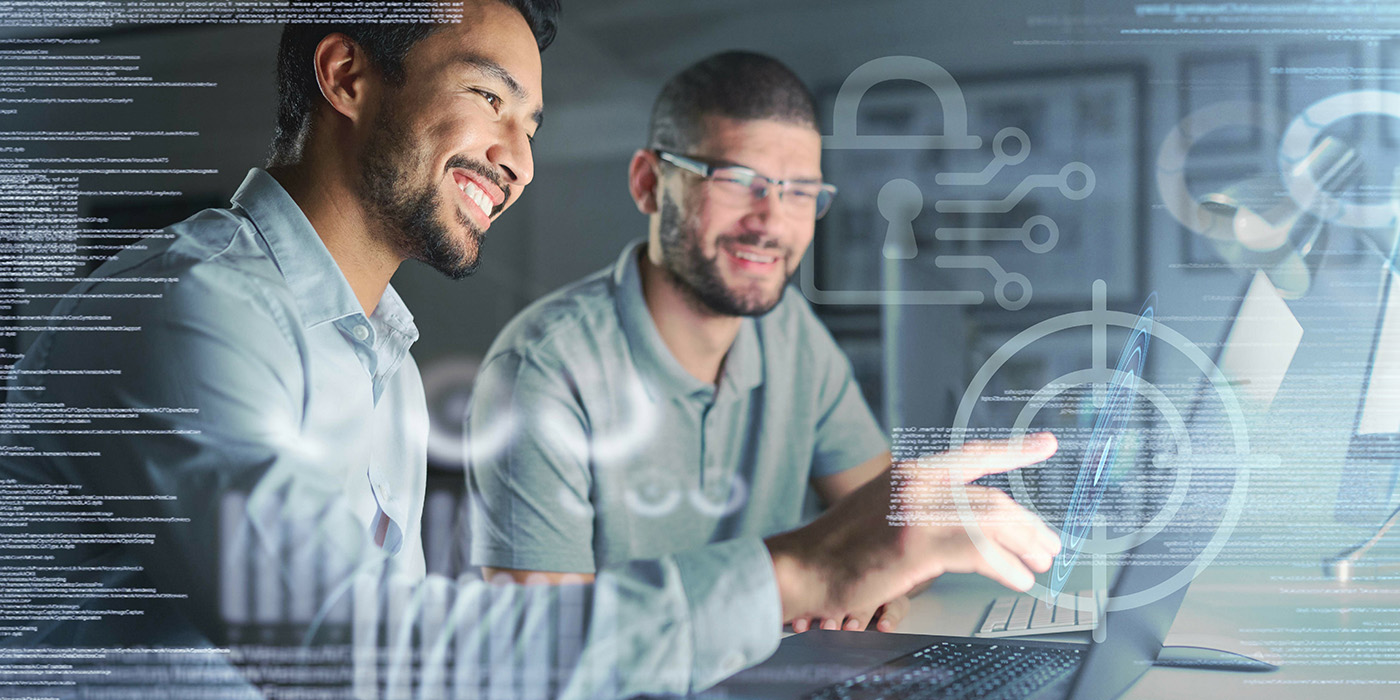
(317, 284)
(743, 364)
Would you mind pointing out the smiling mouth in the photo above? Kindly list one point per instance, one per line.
(749, 259)
(478, 197)
(754, 257)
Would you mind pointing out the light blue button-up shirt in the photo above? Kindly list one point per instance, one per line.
(270, 436)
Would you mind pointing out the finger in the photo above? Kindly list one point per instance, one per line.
(831, 623)
(1018, 530)
(801, 624)
(1023, 542)
(891, 614)
(1038, 562)
(979, 458)
(996, 563)
(858, 621)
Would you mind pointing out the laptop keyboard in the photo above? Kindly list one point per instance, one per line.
(960, 670)
(1018, 616)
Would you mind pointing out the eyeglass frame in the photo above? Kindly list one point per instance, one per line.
(707, 170)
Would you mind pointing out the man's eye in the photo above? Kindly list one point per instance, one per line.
(490, 98)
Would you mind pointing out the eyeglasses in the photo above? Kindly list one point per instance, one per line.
(742, 186)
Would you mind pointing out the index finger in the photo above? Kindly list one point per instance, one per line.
(982, 457)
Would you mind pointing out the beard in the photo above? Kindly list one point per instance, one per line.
(698, 277)
(409, 214)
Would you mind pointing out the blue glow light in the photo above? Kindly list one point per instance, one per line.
(1101, 455)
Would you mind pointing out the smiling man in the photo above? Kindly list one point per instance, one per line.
(686, 395)
(268, 397)
(250, 465)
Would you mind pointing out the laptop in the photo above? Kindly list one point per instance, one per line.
(1152, 575)
(822, 664)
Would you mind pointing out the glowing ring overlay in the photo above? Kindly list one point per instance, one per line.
(1234, 506)
(1172, 156)
(1299, 138)
(1164, 406)
(1102, 455)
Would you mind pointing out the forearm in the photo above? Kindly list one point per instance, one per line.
(673, 625)
(496, 574)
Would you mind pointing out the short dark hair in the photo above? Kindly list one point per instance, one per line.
(386, 45)
(733, 84)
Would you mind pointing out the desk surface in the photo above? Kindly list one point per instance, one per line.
(1329, 640)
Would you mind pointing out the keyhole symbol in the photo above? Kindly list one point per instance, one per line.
(900, 201)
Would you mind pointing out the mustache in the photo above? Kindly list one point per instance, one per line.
(486, 172)
(756, 240)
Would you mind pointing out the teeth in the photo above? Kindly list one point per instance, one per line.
(471, 190)
(743, 255)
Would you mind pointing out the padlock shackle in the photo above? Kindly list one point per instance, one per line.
(888, 68)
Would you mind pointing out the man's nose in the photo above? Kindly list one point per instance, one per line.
(512, 154)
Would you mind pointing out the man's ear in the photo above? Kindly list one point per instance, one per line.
(642, 176)
(342, 73)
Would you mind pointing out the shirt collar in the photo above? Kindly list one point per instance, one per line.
(321, 291)
(743, 364)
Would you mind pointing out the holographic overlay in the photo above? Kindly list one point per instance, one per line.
(900, 201)
(1167, 476)
(1102, 454)
(1299, 140)
(314, 609)
(1273, 223)
(1175, 151)
(447, 386)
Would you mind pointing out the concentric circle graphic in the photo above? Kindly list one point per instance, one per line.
(1098, 319)
(1298, 141)
(1176, 150)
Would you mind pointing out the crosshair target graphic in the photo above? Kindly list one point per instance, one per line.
(1102, 455)
(1092, 536)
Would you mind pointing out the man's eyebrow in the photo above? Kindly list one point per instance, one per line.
(499, 72)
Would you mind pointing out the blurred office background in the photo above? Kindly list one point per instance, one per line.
(1102, 84)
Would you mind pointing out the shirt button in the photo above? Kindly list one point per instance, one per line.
(360, 332)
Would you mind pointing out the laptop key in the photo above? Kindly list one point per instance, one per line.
(1021, 616)
(1064, 613)
(1043, 614)
(998, 615)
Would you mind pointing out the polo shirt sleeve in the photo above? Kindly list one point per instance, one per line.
(847, 434)
(528, 469)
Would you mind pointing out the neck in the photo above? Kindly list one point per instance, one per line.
(696, 336)
(330, 202)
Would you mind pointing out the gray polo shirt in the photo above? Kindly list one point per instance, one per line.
(589, 444)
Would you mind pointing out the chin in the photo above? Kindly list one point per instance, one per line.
(767, 293)
(458, 269)
(465, 257)
(756, 304)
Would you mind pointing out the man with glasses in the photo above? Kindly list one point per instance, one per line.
(687, 395)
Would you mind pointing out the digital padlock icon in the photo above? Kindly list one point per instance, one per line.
(899, 200)
(920, 70)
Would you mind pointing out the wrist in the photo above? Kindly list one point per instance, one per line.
(796, 582)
